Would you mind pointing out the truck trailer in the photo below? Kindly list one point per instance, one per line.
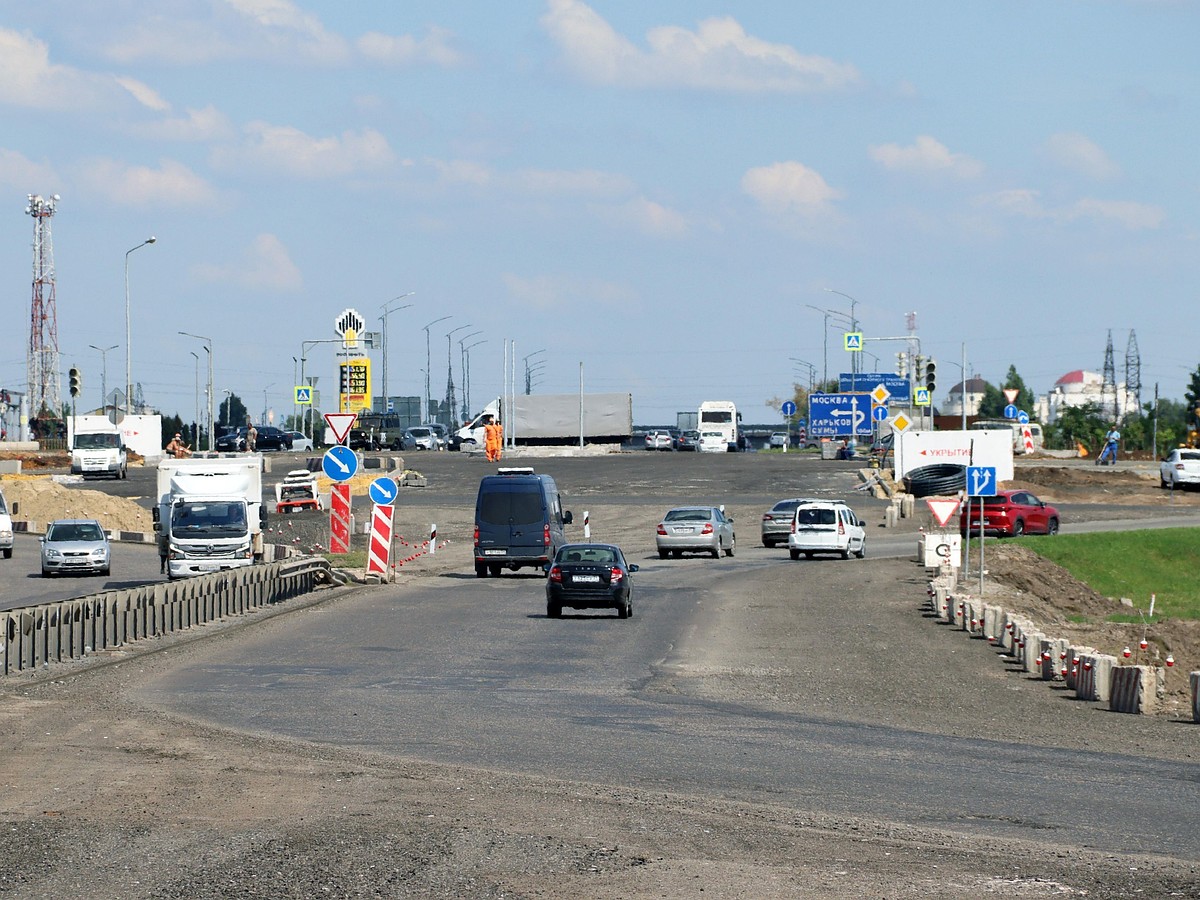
(550, 419)
(210, 515)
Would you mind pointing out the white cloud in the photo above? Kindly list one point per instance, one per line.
(24, 174)
(266, 265)
(718, 55)
(1028, 204)
(648, 218)
(926, 155)
(1079, 154)
(171, 184)
(281, 148)
(208, 124)
(435, 47)
(551, 292)
(790, 187)
(29, 79)
(283, 25)
(144, 94)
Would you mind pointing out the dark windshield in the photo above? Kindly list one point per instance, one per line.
(209, 518)
(815, 516)
(518, 506)
(717, 417)
(95, 441)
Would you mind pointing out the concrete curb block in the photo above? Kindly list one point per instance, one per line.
(1135, 689)
(1194, 677)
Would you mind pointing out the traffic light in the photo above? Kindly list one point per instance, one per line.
(931, 375)
(76, 382)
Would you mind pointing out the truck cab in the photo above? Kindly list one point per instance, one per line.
(99, 453)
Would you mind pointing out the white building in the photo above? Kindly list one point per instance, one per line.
(1079, 388)
(970, 392)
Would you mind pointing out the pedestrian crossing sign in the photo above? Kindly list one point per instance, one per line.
(853, 340)
(921, 397)
(303, 393)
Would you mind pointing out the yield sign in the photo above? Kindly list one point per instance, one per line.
(942, 510)
(1010, 394)
(340, 424)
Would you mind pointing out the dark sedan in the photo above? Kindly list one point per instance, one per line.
(590, 576)
(269, 438)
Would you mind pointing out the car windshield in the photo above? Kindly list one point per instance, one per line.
(689, 515)
(815, 516)
(96, 441)
(587, 555)
(3, 506)
(516, 506)
(85, 531)
(209, 518)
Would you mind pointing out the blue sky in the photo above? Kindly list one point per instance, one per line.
(660, 191)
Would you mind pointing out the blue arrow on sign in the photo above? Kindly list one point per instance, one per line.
(382, 491)
(789, 408)
(1023, 417)
(879, 413)
(340, 463)
(1010, 411)
(981, 481)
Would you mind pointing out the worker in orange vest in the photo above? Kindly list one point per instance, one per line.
(491, 445)
(499, 439)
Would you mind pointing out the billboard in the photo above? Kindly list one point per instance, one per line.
(354, 384)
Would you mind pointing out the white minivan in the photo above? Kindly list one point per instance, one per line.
(826, 526)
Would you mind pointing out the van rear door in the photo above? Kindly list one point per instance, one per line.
(512, 517)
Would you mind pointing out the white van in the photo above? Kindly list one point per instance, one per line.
(6, 529)
(826, 527)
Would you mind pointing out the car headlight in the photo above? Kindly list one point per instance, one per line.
(51, 553)
(6, 533)
(100, 552)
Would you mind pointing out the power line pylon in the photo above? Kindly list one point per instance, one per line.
(1133, 372)
(1110, 382)
(42, 360)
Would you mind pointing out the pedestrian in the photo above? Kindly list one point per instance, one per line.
(490, 443)
(1111, 442)
(177, 448)
(251, 437)
(499, 440)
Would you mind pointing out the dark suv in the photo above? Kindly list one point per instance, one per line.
(269, 438)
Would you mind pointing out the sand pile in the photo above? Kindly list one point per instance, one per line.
(41, 501)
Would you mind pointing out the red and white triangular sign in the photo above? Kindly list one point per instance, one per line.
(340, 424)
(942, 510)
(1010, 394)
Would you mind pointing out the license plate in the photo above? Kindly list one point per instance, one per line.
(494, 552)
(683, 530)
(588, 579)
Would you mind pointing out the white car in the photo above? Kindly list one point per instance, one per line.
(301, 441)
(1180, 468)
(826, 527)
(712, 442)
(779, 440)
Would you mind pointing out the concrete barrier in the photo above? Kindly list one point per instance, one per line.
(1095, 677)
(1054, 652)
(1135, 689)
(1073, 662)
(1194, 677)
(993, 621)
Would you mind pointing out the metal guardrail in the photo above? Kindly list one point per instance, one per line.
(35, 636)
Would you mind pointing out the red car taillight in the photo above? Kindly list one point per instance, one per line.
(662, 529)
(841, 527)
(615, 575)
(545, 535)
(707, 529)
(476, 535)
(556, 574)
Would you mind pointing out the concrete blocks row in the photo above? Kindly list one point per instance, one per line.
(1091, 675)
(35, 636)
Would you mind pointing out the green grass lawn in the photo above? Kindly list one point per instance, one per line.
(1133, 564)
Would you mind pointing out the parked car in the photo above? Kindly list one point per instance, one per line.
(689, 440)
(712, 442)
(1009, 513)
(75, 545)
(826, 526)
(272, 438)
(589, 576)
(778, 440)
(1180, 468)
(301, 442)
(695, 529)
(659, 440)
(419, 437)
(442, 432)
(777, 521)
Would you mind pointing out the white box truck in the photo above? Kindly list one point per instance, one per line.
(210, 515)
(97, 448)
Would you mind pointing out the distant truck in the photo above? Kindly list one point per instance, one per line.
(99, 449)
(210, 515)
(687, 421)
(548, 419)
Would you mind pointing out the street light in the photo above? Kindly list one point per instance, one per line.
(209, 390)
(196, 401)
(428, 399)
(104, 374)
(304, 347)
(451, 403)
(384, 319)
(128, 351)
(525, 360)
(467, 375)
(267, 388)
(462, 367)
(854, 360)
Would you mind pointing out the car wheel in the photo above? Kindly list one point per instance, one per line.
(494, 568)
(1018, 528)
(481, 570)
(106, 571)
(662, 554)
(46, 573)
(862, 549)
(8, 552)
(767, 543)
(1052, 526)
(1163, 483)
(677, 553)
(808, 554)
(716, 553)
(729, 549)
(623, 610)
(794, 554)
(553, 610)
(846, 552)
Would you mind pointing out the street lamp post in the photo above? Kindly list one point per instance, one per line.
(265, 409)
(208, 349)
(525, 360)
(462, 368)
(196, 401)
(128, 350)
(467, 375)
(312, 395)
(384, 319)
(854, 360)
(428, 399)
(451, 403)
(104, 374)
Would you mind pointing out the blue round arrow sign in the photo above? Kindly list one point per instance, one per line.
(1010, 411)
(382, 491)
(789, 408)
(1023, 417)
(340, 463)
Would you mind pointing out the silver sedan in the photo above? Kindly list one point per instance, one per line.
(695, 529)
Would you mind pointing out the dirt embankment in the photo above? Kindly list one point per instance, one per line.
(39, 500)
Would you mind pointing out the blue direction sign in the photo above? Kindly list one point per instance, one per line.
(789, 408)
(879, 413)
(340, 463)
(981, 481)
(1023, 417)
(897, 385)
(1010, 411)
(836, 415)
(382, 491)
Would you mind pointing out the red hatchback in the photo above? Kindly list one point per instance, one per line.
(1010, 514)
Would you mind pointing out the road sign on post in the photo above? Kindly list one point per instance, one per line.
(379, 547)
(838, 415)
(339, 519)
(340, 424)
(340, 463)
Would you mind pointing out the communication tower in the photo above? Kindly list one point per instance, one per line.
(1133, 372)
(43, 319)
